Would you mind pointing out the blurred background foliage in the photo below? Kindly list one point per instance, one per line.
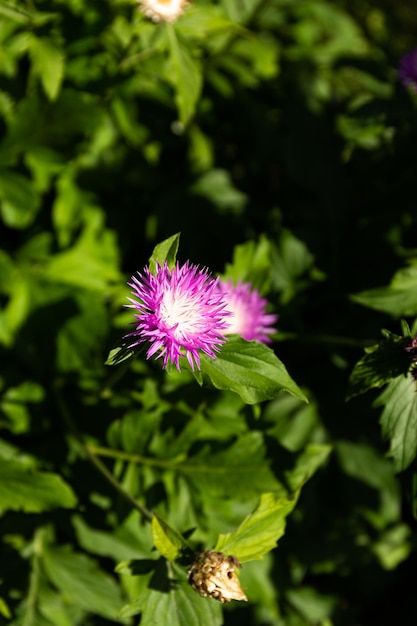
(277, 138)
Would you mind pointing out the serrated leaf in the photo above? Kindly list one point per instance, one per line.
(82, 582)
(167, 540)
(185, 75)
(381, 363)
(259, 533)
(48, 62)
(250, 369)
(32, 491)
(399, 420)
(165, 251)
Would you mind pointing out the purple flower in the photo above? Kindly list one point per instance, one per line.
(179, 312)
(250, 319)
(407, 69)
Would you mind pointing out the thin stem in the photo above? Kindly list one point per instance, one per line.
(88, 451)
(35, 578)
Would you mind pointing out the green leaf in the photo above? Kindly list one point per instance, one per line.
(48, 62)
(382, 362)
(82, 582)
(32, 491)
(165, 251)
(399, 420)
(170, 600)
(217, 186)
(259, 533)
(398, 299)
(167, 541)
(251, 370)
(92, 263)
(366, 465)
(185, 75)
(251, 263)
(231, 471)
(18, 200)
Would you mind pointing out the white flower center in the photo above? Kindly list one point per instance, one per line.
(178, 310)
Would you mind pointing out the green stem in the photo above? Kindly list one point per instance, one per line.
(34, 582)
(88, 451)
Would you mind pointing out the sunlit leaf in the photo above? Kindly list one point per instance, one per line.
(250, 369)
(167, 540)
(48, 62)
(165, 251)
(399, 420)
(260, 531)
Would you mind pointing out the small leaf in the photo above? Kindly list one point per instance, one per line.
(165, 251)
(399, 420)
(48, 62)
(32, 491)
(167, 541)
(251, 370)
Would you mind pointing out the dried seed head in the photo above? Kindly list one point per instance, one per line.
(213, 575)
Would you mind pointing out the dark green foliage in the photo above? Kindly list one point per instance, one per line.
(273, 143)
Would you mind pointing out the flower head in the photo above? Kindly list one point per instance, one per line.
(213, 575)
(179, 312)
(407, 69)
(250, 319)
(162, 10)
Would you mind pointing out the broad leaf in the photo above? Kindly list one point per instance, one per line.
(32, 491)
(82, 582)
(399, 420)
(250, 369)
(240, 469)
(170, 600)
(259, 532)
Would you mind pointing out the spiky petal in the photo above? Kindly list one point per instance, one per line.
(179, 312)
